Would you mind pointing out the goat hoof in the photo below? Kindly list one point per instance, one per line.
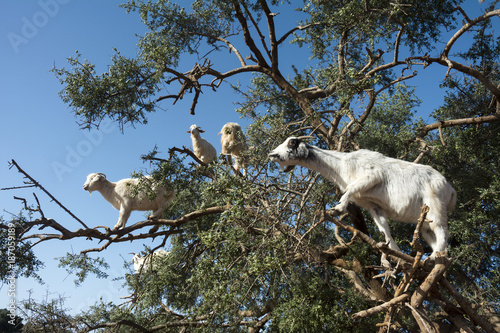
(340, 208)
(430, 261)
(154, 229)
(384, 262)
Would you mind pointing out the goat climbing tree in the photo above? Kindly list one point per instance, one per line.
(265, 252)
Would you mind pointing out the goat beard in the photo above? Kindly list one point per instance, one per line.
(287, 168)
(90, 192)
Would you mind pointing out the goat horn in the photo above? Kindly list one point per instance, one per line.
(305, 137)
(100, 173)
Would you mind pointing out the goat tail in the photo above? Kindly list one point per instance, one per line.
(170, 196)
(453, 200)
(441, 197)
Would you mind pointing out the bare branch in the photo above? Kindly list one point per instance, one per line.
(37, 184)
(225, 41)
(442, 263)
(300, 27)
(423, 131)
(256, 27)
(466, 27)
(247, 35)
(115, 236)
(381, 307)
(272, 36)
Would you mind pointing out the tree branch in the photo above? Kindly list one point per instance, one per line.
(116, 236)
(272, 36)
(225, 41)
(382, 307)
(37, 184)
(423, 131)
(247, 35)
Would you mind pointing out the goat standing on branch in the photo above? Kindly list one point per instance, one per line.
(148, 262)
(234, 144)
(120, 196)
(386, 187)
(201, 147)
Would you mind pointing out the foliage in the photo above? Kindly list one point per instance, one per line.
(10, 324)
(263, 252)
(17, 255)
(81, 265)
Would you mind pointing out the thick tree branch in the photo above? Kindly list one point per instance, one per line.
(466, 27)
(247, 35)
(272, 35)
(380, 308)
(121, 235)
(256, 27)
(423, 131)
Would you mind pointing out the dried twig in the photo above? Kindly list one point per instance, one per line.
(442, 263)
(382, 307)
(37, 184)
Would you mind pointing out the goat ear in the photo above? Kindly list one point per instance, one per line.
(189, 131)
(201, 131)
(302, 150)
(292, 143)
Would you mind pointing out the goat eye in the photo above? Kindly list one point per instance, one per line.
(292, 143)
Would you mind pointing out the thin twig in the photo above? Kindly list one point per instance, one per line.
(37, 184)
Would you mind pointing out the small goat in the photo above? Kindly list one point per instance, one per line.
(386, 187)
(201, 147)
(234, 144)
(143, 264)
(119, 195)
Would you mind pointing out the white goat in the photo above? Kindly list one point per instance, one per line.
(234, 144)
(119, 195)
(201, 147)
(143, 264)
(386, 187)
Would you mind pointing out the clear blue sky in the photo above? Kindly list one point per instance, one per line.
(38, 130)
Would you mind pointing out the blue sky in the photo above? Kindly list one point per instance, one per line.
(39, 131)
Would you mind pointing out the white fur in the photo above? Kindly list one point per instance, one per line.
(119, 195)
(143, 264)
(386, 187)
(201, 147)
(234, 144)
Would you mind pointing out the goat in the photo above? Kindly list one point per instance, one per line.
(234, 144)
(201, 147)
(147, 262)
(386, 187)
(120, 196)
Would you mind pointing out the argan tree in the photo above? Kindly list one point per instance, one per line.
(265, 251)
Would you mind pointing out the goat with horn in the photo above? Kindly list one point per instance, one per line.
(386, 187)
